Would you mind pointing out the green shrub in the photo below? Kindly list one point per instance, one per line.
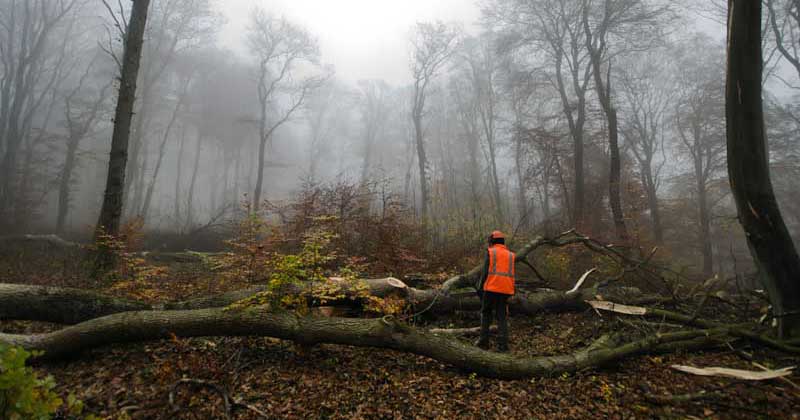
(23, 394)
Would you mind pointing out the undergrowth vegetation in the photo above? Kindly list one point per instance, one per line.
(24, 395)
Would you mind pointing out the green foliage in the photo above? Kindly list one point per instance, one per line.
(25, 395)
(296, 280)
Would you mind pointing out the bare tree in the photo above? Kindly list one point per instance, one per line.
(647, 87)
(175, 27)
(181, 97)
(433, 44)
(281, 48)
(552, 31)
(784, 23)
(80, 115)
(27, 30)
(375, 103)
(324, 115)
(481, 61)
(111, 212)
(699, 122)
(613, 27)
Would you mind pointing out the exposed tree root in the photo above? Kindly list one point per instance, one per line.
(379, 333)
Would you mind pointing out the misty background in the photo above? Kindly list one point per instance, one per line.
(498, 94)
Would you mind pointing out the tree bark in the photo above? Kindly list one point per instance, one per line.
(111, 212)
(652, 204)
(70, 306)
(64, 184)
(576, 131)
(748, 168)
(262, 145)
(193, 182)
(59, 305)
(377, 333)
(422, 159)
(704, 219)
(178, 173)
(603, 89)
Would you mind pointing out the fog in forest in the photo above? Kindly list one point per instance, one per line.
(461, 116)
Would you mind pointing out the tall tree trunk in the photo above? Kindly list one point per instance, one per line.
(655, 211)
(576, 131)
(365, 165)
(237, 173)
(262, 146)
(748, 168)
(135, 168)
(422, 160)
(522, 201)
(603, 89)
(614, 181)
(474, 176)
(192, 182)
(178, 170)
(704, 219)
(135, 206)
(111, 212)
(495, 184)
(64, 184)
(161, 149)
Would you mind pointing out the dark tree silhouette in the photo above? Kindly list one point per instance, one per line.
(111, 212)
(748, 168)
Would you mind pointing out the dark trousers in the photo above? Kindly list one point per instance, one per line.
(497, 303)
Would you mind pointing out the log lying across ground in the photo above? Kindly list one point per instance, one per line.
(58, 304)
(71, 306)
(379, 333)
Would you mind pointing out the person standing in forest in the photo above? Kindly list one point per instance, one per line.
(495, 286)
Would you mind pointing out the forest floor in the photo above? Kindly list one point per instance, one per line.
(275, 378)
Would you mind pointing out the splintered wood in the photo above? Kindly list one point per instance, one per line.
(580, 281)
(747, 375)
(616, 307)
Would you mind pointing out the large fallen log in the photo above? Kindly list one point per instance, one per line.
(58, 304)
(379, 333)
(71, 306)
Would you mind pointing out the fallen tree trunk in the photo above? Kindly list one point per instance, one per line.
(58, 304)
(379, 333)
(71, 306)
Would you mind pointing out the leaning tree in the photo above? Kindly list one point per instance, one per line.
(748, 168)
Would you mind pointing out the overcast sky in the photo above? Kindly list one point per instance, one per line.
(363, 38)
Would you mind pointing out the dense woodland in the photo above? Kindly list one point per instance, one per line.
(194, 229)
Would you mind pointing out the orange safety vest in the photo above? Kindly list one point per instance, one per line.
(501, 270)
